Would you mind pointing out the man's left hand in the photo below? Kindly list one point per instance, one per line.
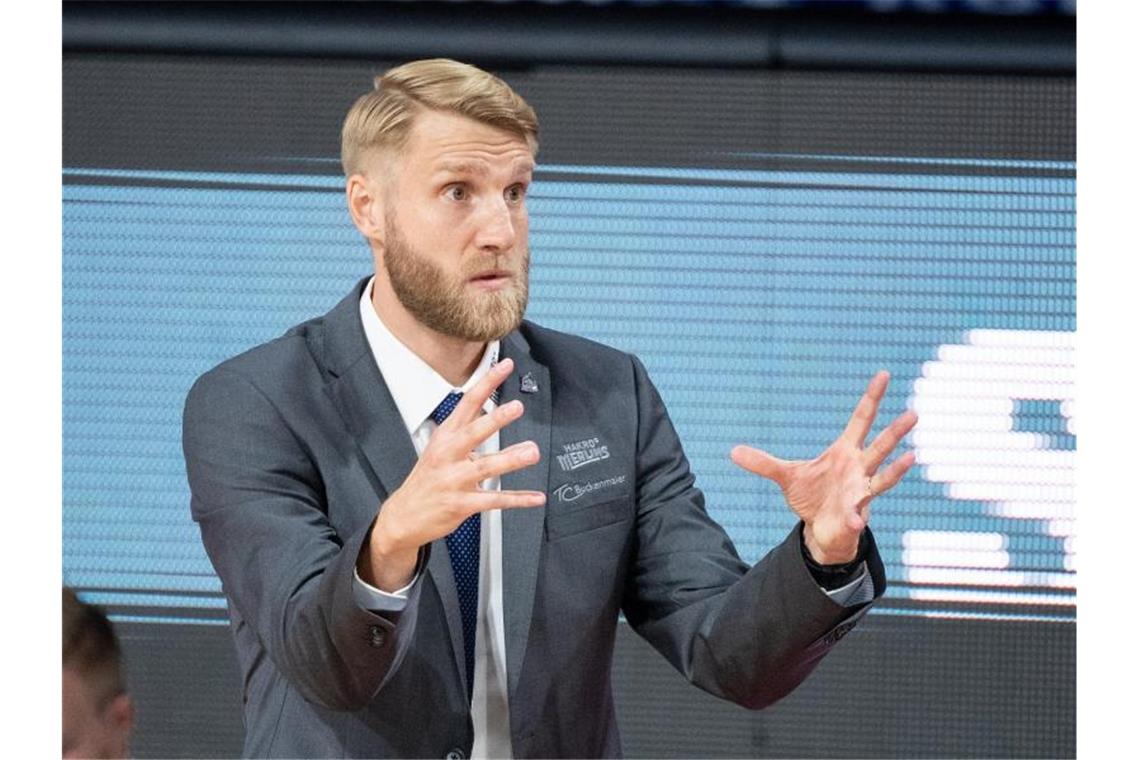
(832, 493)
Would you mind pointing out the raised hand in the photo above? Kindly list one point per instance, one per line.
(442, 490)
(832, 493)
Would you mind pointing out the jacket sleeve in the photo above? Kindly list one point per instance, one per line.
(259, 502)
(749, 635)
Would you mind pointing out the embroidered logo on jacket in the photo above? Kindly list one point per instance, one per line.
(582, 453)
(575, 491)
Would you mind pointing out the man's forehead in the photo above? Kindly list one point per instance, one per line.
(477, 156)
(457, 163)
(450, 142)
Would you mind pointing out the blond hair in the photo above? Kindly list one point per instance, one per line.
(382, 119)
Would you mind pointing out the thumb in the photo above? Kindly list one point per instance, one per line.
(759, 462)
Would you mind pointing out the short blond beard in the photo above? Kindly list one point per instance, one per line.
(441, 302)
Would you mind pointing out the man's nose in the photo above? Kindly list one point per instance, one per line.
(497, 227)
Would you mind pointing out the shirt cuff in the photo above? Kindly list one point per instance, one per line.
(371, 598)
(859, 591)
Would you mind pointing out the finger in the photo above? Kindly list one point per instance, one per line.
(864, 416)
(760, 462)
(885, 442)
(471, 435)
(470, 406)
(482, 501)
(508, 460)
(884, 481)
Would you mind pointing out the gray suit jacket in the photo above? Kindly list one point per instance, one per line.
(292, 446)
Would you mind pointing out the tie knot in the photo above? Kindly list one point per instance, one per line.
(446, 407)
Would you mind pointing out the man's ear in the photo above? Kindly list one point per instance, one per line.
(366, 206)
(120, 718)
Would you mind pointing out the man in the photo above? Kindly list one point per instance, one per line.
(411, 571)
(97, 712)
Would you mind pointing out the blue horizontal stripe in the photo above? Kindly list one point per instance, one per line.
(781, 292)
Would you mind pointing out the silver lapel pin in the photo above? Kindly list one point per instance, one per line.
(527, 384)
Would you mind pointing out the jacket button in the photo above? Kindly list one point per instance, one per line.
(376, 637)
(455, 754)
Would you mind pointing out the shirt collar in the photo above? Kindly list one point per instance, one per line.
(416, 388)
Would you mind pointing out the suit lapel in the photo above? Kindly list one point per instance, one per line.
(439, 568)
(522, 528)
(359, 393)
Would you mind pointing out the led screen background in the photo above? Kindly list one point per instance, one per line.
(760, 299)
(764, 241)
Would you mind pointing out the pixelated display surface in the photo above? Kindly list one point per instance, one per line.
(761, 302)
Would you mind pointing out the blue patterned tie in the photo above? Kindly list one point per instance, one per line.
(463, 547)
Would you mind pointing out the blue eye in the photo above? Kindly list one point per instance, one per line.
(457, 192)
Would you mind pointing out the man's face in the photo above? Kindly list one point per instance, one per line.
(94, 726)
(455, 242)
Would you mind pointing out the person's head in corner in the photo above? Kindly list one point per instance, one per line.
(438, 158)
(97, 712)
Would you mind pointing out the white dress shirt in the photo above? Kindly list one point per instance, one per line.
(417, 390)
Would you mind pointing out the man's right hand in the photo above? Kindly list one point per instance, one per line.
(442, 490)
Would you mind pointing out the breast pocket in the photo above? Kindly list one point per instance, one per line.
(562, 522)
